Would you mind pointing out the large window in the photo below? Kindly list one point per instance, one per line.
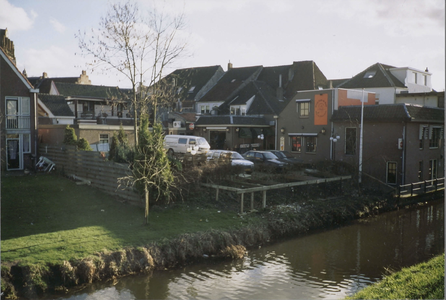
(204, 109)
(18, 113)
(391, 172)
(311, 144)
(296, 144)
(350, 141)
(434, 137)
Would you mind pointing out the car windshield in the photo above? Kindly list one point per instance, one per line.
(279, 154)
(201, 141)
(236, 155)
(269, 155)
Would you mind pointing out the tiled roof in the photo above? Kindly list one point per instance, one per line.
(94, 91)
(44, 84)
(231, 121)
(389, 113)
(56, 104)
(195, 78)
(229, 84)
(189, 117)
(380, 76)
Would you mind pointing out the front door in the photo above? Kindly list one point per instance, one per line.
(13, 154)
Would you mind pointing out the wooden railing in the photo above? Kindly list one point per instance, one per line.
(420, 188)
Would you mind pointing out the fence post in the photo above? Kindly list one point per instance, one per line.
(216, 194)
(411, 189)
(241, 202)
(264, 199)
(436, 183)
(425, 186)
(252, 201)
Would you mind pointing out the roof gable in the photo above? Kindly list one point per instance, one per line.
(14, 68)
(375, 76)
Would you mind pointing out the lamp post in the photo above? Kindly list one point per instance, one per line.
(333, 140)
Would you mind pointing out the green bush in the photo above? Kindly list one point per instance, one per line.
(83, 144)
(70, 137)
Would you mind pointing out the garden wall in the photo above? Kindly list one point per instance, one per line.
(90, 165)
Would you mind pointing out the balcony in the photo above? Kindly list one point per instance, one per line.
(18, 122)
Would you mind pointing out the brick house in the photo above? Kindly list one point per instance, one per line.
(18, 105)
(402, 143)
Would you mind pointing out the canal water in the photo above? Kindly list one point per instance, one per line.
(328, 264)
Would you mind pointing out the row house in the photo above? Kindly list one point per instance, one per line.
(240, 112)
(402, 143)
(18, 119)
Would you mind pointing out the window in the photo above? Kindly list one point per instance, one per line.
(303, 108)
(26, 143)
(425, 79)
(311, 144)
(350, 141)
(391, 172)
(415, 77)
(433, 169)
(434, 137)
(191, 90)
(192, 142)
(369, 74)
(103, 139)
(204, 109)
(18, 113)
(420, 170)
(296, 144)
(182, 141)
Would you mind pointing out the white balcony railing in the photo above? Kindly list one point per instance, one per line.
(18, 122)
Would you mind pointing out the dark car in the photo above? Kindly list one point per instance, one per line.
(264, 159)
(285, 156)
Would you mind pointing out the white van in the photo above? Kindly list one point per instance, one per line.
(185, 143)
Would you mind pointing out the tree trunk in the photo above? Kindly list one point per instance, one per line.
(146, 195)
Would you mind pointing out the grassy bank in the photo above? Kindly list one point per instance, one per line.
(422, 281)
(48, 219)
(56, 234)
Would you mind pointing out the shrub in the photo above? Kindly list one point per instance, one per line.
(83, 144)
(70, 137)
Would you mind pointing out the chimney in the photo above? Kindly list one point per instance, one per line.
(427, 69)
(45, 75)
(229, 65)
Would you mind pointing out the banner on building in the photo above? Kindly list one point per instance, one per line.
(321, 109)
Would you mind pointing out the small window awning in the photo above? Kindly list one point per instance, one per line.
(302, 134)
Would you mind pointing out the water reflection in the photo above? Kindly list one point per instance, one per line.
(328, 264)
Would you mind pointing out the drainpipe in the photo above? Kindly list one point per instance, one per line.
(276, 118)
(403, 165)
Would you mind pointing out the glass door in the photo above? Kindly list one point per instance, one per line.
(13, 154)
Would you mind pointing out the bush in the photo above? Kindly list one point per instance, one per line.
(70, 137)
(83, 144)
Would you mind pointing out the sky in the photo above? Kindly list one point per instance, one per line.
(343, 37)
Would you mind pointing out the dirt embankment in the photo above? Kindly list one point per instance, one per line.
(277, 222)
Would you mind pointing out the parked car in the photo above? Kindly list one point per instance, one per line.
(284, 156)
(235, 158)
(185, 143)
(265, 159)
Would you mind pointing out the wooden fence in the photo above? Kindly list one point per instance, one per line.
(89, 165)
(420, 188)
(265, 188)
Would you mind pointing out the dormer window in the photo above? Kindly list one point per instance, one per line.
(191, 90)
(369, 74)
(179, 90)
(238, 110)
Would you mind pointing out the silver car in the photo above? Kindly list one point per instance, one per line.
(235, 158)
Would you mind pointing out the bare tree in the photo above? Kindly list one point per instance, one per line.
(138, 45)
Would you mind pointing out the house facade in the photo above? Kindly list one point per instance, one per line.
(402, 143)
(18, 103)
(304, 127)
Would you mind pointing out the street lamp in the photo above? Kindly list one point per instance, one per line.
(333, 141)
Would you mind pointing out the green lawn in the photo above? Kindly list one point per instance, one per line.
(46, 218)
(422, 281)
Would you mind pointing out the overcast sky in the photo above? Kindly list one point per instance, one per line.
(343, 37)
